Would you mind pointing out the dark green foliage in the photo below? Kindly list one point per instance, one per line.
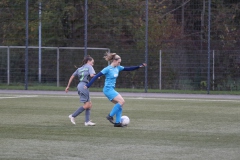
(120, 25)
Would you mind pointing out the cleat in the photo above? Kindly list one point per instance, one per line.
(89, 123)
(110, 118)
(72, 119)
(118, 125)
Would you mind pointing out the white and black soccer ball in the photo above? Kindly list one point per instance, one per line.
(125, 120)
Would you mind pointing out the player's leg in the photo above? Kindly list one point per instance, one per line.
(110, 93)
(115, 98)
(87, 114)
(117, 109)
(118, 115)
(77, 112)
(119, 102)
(84, 98)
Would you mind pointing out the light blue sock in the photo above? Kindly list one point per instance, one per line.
(115, 109)
(78, 111)
(87, 115)
(119, 115)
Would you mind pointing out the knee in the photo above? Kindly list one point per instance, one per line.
(88, 105)
(122, 102)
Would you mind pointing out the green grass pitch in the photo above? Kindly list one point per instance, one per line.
(37, 127)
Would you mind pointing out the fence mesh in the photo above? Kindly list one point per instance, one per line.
(179, 28)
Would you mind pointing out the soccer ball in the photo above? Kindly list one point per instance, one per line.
(125, 120)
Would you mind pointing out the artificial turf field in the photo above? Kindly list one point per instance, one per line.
(36, 127)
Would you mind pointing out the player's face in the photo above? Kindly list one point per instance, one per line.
(91, 62)
(117, 61)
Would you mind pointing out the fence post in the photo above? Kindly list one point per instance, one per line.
(160, 69)
(213, 70)
(146, 48)
(26, 48)
(8, 65)
(40, 44)
(209, 45)
(57, 66)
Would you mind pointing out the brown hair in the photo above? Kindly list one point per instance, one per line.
(85, 60)
(111, 56)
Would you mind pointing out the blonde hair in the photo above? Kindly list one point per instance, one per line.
(111, 56)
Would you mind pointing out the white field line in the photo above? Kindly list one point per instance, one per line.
(176, 99)
(182, 99)
(19, 96)
(142, 98)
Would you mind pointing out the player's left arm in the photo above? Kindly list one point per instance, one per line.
(134, 67)
(93, 79)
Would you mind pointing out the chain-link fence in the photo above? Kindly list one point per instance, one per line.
(178, 29)
(171, 69)
(187, 70)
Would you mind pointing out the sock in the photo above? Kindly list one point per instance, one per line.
(119, 115)
(87, 115)
(115, 109)
(78, 111)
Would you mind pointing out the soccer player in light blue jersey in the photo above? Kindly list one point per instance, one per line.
(111, 73)
(83, 73)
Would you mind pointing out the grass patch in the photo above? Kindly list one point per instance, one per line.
(37, 127)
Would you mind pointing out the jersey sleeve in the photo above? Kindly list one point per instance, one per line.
(91, 70)
(131, 68)
(105, 70)
(75, 74)
(120, 68)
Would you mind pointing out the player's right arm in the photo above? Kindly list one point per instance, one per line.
(69, 83)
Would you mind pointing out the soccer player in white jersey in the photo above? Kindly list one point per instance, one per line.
(83, 73)
(111, 73)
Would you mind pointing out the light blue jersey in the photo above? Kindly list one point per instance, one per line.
(111, 73)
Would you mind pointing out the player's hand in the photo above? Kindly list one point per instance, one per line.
(66, 90)
(85, 87)
(143, 65)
